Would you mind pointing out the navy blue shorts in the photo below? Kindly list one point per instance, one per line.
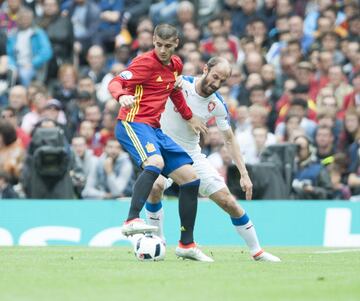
(142, 141)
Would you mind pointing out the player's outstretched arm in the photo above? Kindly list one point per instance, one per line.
(234, 149)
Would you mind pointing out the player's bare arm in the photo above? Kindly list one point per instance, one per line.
(234, 149)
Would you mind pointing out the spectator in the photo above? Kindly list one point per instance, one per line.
(134, 10)
(96, 69)
(292, 125)
(296, 27)
(9, 16)
(338, 82)
(242, 14)
(110, 22)
(102, 92)
(18, 101)
(113, 175)
(311, 179)
(325, 145)
(258, 118)
(341, 191)
(260, 135)
(6, 189)
(29, 61)
(354, 171)
(85, 163)
(352, 100)
(62, 41)
(65, 88)
(163, 12)
(85, 17)
(93, 114)
(350, 131)
(7, 76)
(298, 106)
(54, 110)
(11, 151)
(216, 29)
(93, 138)
(8, 114)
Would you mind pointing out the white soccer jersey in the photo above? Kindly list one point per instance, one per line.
(177, 128)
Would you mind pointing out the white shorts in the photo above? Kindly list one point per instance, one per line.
(210, 179)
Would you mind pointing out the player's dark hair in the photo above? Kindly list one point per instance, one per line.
(166, 32)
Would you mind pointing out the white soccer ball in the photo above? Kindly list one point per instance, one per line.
(149, 247)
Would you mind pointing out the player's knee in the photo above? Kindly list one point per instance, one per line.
(156, 161)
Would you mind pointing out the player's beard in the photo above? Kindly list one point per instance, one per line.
(206, 89)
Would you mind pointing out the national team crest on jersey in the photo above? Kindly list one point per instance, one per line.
(211, 106)
(150, 147)
(126, 74)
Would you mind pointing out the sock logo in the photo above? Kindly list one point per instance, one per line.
(249, 227)
(182, 229)
(154, 218)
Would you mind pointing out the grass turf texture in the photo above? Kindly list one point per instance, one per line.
(75, 274)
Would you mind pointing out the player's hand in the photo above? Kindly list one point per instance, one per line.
(246, 186)
(178, 83)
(197, 125)
(127, 101)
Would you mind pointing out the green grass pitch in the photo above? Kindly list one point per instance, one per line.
(106, 274)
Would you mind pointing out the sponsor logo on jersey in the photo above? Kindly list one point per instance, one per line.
(126, 74)
(159, 79)
(150, 148)
(211, 106)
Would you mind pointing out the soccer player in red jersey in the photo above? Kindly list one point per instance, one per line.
(142, 91)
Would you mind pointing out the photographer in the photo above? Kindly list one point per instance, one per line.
(46, 173)
(113, 175)
(311, 179)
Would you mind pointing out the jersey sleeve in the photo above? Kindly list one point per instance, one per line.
(179, 101)
(136, 73)
(221, 115)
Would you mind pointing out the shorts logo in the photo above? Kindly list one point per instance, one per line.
(159, 79)
(126, 74)
(176, 110)
(211, 106)
(150, 147)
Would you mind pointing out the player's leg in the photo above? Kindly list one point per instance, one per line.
(153, 207)
(242, 223)
(135, 137)
(188, 182)
(213, 186)
(178, 167)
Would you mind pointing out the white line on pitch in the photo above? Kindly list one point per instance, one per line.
(337, 251)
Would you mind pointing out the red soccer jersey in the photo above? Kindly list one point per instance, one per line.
(151, 83)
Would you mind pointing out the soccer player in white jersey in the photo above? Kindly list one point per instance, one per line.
(201, 96)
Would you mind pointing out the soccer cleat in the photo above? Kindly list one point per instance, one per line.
(135, 226)
(265, 256)
(193, 253)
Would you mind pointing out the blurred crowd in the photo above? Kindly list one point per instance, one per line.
(295, 79)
